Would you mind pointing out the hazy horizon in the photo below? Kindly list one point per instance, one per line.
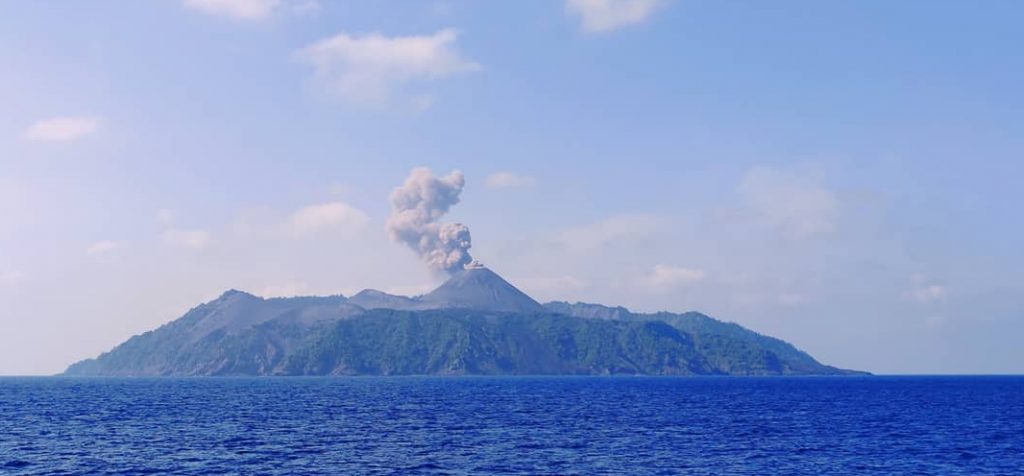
(843, 176)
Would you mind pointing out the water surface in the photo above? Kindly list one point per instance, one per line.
(543, 425)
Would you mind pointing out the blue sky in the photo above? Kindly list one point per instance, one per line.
(843, 175)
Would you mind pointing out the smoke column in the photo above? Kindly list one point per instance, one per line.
(416, 207)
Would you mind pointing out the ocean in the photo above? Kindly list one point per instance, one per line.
(513, 425)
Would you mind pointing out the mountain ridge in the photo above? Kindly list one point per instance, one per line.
(475, 323)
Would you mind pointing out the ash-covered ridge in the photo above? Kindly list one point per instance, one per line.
(474, 323)
(479, 288)
(476, 287)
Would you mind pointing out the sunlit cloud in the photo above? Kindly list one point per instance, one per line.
(597, 16)
(63, 129)
(367, 70)
(235, 9)
(338, 217)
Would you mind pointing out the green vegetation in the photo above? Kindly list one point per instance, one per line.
(451, 342)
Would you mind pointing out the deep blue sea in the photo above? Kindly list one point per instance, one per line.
(543, 425)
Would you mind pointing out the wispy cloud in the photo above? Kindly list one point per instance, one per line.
(509, 180)
(191, 239)
(928, 293)
(551, 287)
(102, 247)
(251, 10)
(63, 129)
(235, 9)
(599, 16)
(337, 217)
(165, 216)
(614, 228)
(367, 70)
(794, 202)
(925, 291)
(665, 277)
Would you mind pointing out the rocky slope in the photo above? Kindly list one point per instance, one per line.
(476, 323)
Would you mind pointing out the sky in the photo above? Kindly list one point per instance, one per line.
(842, 175)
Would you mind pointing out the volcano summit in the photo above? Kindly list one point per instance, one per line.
(474, 323)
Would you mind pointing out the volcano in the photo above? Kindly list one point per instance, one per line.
(474, 323)
(476, 287)
(479, 288)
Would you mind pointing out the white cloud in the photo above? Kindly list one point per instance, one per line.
(235, 9)
(509, 180)
(606, 15)
(251, 10)
(596, 235)
(365, 70)
(304, 7)
(795, 203)
(668, 277)
(192, 239)
(929, 293)
(62, 129)
(925, 291)
(335, 216)
(334, 219)
(101, 247)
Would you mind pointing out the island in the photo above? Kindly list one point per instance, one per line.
(476, 323)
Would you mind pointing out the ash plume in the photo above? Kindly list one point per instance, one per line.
(416, 207)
